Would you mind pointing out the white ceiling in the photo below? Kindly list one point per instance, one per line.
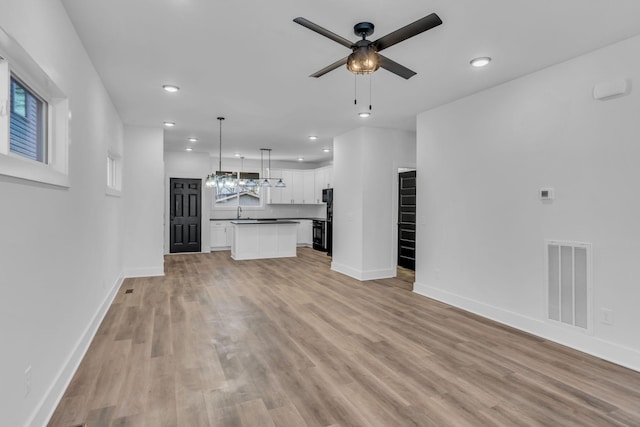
(246, 60)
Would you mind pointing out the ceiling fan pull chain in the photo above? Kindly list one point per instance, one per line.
(370, 77)
(355, 90)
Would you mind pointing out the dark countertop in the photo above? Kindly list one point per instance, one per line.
(267, 219)
(263, 221)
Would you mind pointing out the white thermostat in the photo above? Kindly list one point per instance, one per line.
(546, 194)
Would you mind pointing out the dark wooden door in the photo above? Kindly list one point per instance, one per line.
(185, 197)
(407, 220)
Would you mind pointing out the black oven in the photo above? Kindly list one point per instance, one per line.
(319, 235)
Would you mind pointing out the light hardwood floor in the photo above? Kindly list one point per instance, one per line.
(290, 343)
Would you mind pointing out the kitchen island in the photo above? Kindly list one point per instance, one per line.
(259, 239)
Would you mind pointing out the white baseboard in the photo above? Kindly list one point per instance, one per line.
(144, 272)
(618, 354)
(363, 275)
(45, 408)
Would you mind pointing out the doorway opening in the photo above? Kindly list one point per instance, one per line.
(406, 225)
(185, 215)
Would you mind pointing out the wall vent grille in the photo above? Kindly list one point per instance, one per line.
(569, 283)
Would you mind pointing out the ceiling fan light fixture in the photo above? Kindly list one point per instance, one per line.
(480, 62)
(363, 60)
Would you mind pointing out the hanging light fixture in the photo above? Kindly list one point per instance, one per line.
(220, 179)
(241, 181)
(363, 60)
(266, 182)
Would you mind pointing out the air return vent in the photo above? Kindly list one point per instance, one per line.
(569, 283)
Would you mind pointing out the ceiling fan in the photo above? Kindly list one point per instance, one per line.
(365, 58)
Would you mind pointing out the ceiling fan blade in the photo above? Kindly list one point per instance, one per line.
(395, 68)
(331, 67)
(320, 30)
(413, 29)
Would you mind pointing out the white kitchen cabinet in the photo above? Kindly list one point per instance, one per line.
(281, 195)
(260, 240)
(305, 233)
(329, 177)
(273, 196)
(308, 193)
(323, 179)
(301, 188)
(220, 235)
(297, 187)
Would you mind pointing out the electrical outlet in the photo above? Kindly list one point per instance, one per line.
(607, 316)
(27, 381)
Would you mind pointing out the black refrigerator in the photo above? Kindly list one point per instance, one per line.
(327, 197)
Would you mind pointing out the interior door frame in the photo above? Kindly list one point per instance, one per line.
(204, 212)
(397, 168)
(188, 182)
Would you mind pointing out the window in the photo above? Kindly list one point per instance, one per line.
(18, 99)
(114, 174)
(27, 126)
(34, 119)
(233, 193)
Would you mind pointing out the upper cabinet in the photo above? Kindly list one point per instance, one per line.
(277, 195)
(323, 179)
(304, 186)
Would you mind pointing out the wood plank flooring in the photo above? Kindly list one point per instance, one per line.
(288, 342)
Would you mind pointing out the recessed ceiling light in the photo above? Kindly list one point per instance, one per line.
(188, 149)
(480, 62)
(364, 114)
(171, 88)
(313, 137)
(301, 159)
(169, 124)
(237, 155)
(192, 139)
(326, 150)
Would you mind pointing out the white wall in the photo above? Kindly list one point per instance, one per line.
(143, 177)
(366, 162)
(481, 231)
(60, 249)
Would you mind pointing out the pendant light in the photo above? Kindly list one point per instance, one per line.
(220, 179)
(241, 181)
(266, 182)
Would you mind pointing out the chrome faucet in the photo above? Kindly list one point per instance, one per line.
(238, 212)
